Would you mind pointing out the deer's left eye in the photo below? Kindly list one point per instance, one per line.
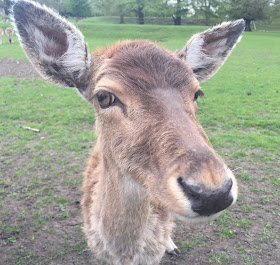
(106, 99)
(198, 93)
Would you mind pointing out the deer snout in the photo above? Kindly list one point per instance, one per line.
(207, 202)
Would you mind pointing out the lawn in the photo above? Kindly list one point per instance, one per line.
(41, 173)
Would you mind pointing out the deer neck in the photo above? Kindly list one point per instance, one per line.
(127, 226)
(125, 208)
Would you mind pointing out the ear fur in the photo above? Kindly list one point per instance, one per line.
(54, 46)
(206, 52)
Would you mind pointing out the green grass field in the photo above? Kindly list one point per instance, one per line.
(41, 173)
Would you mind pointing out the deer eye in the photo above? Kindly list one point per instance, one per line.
(106, 99)
(198, 93)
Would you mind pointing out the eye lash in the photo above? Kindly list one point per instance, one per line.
(96, 95)
(99, 93)
(198, 93)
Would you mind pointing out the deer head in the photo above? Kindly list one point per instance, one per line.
(9, 31)
(145, 99)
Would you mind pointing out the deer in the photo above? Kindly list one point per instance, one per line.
(9, 32)
(1, 35)
(152, 162)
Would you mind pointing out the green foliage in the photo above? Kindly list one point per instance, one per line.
(273, 11)
(80, 8)
(178, 9)
(208, 9)
(55, 4)
(114, 7)
(141, 8)
(248, 10)
(65, 8)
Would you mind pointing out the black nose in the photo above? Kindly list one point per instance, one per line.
(207, 202)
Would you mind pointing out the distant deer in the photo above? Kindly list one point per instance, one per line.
(9, 32)
(1, 35)
(152, 160)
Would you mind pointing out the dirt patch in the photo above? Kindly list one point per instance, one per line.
(17, 68)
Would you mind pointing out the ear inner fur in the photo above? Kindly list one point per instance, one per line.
(206, 52)
(54, 46)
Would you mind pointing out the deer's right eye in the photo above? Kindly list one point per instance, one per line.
(106, 99)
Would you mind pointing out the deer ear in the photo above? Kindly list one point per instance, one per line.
(54, 46)
(206, 52)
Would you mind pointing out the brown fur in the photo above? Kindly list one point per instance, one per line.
(154, 84)
(152, 159)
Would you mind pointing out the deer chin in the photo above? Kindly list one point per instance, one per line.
(194, 218)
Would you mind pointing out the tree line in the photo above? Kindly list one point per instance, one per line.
(205, 10)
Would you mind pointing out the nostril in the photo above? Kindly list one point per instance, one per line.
(191, 191)
(207, 202)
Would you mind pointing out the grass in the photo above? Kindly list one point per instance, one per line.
(41, 173)
(219, 258)
(197, 240)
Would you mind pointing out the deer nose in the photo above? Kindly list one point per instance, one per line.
(207, 202)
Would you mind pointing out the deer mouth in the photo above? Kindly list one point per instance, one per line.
(195, 218)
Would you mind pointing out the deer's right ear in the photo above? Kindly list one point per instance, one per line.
(54, 46)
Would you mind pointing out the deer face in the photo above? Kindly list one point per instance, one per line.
(146, 101)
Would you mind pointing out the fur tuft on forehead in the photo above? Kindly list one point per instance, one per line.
(143, 65)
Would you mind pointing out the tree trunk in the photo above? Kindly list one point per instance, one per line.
(248, 25)
(206, 20)
(177, 17)
(121, 18)
(177, 20)
(140, 15)
(121, 12)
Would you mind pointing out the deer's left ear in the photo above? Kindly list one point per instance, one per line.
(54, 46)
(206, 52)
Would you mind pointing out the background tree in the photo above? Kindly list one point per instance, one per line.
(207, 9)
(81, 8)
(77, 8)
(101, 6)
(139, 10)
(273, 10)
(65, 8)
(248, 10)
(119, 8)
(55, 4)
(180, 8)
